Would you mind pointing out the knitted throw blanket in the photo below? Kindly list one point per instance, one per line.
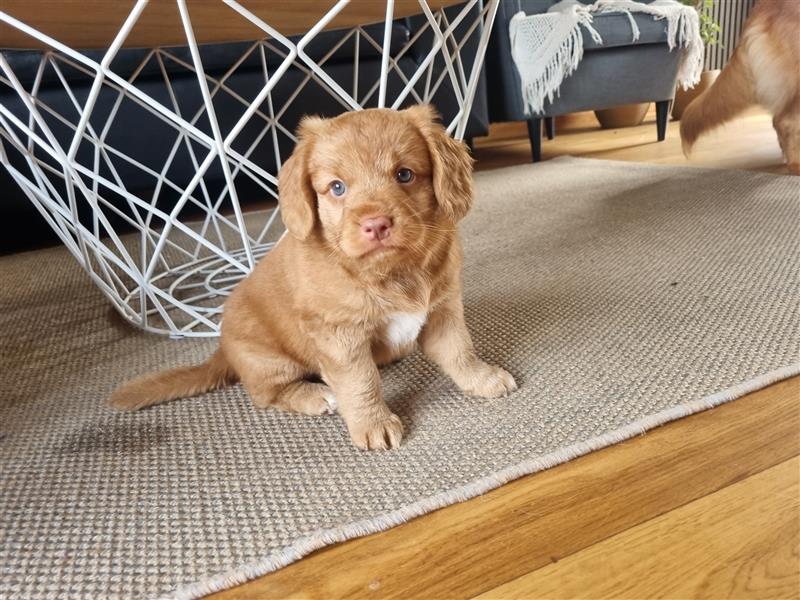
(548, 47)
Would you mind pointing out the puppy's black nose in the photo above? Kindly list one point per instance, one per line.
(376, 228)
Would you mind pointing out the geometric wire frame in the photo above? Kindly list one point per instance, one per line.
(172, 274)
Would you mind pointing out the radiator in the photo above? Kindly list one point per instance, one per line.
(731, 15)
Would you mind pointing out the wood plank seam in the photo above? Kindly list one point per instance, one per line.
(645, 555)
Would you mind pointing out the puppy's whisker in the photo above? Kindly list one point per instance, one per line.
(431, 227)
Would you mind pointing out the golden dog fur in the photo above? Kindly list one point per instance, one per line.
(764, 69)
(329, 303)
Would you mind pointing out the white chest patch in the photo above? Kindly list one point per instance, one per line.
(403, 328)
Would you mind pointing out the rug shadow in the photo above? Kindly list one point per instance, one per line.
(127, 437)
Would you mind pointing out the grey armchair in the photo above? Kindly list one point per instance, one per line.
(619, 71)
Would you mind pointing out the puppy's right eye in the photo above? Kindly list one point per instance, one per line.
(404, 175)
(338, 188)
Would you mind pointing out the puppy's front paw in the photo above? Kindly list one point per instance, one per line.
(383, 434)
(489, 381)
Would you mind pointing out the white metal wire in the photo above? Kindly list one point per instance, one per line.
(167, 266)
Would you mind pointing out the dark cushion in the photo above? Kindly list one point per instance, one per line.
(615, 76)
(217, 58)
(615, 29)
(530, 7)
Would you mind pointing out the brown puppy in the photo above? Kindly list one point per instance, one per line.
(764, 69)
(372, 263)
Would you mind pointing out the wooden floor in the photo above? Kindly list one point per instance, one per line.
(748, 143)
(704, 507)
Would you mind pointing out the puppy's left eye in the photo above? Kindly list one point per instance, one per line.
(405, 175)
(337, 188)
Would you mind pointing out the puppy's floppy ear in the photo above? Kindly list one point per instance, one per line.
(451, 162)
(296, 196)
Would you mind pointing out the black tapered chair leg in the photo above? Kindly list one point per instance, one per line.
(535, 135)
(662, 118)
(550, 127)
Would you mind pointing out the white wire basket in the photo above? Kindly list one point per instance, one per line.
(166, 253)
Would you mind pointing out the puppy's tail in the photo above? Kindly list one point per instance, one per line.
(731, 93)
(173, 384)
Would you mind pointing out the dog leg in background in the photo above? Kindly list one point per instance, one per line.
(728, 96)
(787, 125)
(446, 341)
(348, 367)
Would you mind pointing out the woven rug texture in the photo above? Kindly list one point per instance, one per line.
(620, 295)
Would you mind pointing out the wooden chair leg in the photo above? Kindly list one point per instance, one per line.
(662, 118)
(550, 127)
(535, 135)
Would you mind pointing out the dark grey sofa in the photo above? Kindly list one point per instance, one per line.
(142, 136)
(618, 72)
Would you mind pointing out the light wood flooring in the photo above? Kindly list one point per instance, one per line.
(704, 507)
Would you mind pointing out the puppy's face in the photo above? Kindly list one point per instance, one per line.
(376, 185)
(372, 177)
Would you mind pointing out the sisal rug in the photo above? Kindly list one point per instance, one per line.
(621, 296)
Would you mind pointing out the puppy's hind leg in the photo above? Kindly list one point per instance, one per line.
(275, 380)
(307, 398)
